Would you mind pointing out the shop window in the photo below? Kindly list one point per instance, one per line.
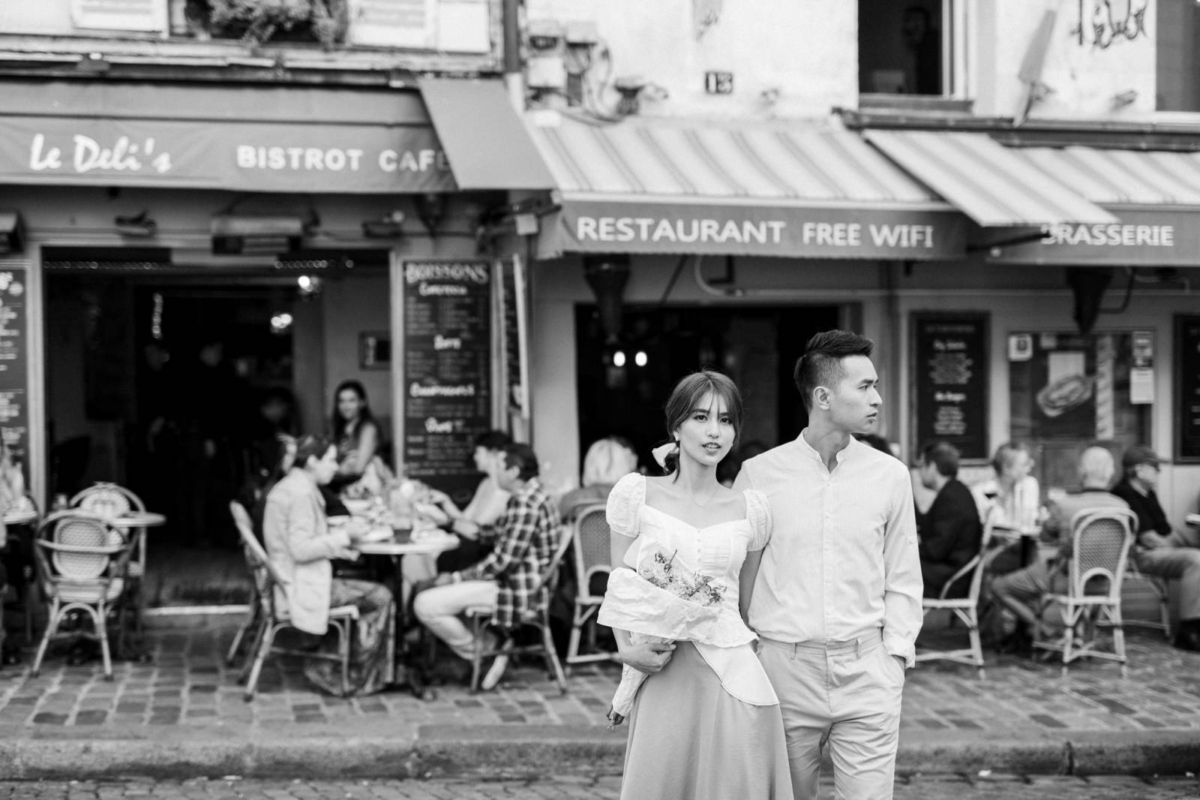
(1068, 391)
(903, 48)
(1178, 55)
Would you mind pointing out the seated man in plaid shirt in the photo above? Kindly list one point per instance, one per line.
(524, 538)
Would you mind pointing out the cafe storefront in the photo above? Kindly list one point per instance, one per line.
(950, 251)
(143, 216)
(674, 244)
(1062, 334)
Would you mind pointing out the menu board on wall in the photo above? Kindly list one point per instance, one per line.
(14, 375)
(951, 380)
(1187, 382)
(446, 366)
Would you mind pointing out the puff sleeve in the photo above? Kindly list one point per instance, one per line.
(624, 502)
(758, 511)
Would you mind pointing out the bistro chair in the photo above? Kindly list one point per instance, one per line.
(254, 618)
(965, 609)
(1159, 587)
(112, 500)
(1102, 538)
(590, 547)
(274, 619)
(481, 617)
(82, 564)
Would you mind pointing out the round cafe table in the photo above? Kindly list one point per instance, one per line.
(22, 516)
(401, 544)
(137, 521)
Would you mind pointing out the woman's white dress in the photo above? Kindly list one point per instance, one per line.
(689, 735)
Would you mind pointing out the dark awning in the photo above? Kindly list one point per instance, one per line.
(264, 139)
(486, 142)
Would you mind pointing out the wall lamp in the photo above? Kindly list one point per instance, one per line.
(251, 235)
(12, 232)
(138, 225)
(387, 227)
(431, 209)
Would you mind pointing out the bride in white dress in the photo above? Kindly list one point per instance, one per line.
(706, 724)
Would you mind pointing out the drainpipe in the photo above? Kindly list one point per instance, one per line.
(513, 77)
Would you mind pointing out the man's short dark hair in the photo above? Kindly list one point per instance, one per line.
(522, 457)
(492, 440)
(311, 446)
(942, 455)
(821, 364)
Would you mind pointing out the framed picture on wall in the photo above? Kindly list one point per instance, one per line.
(375, 350)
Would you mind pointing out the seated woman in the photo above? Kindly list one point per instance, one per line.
(607, 461)
(361, 470)
(300, 546)
(486, 506)
(1010, 500)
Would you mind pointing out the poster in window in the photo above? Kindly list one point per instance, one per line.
(1187, 382)
(950, 356)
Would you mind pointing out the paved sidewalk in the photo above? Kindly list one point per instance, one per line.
(184, 714)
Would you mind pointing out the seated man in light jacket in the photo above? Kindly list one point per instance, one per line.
(300, 545)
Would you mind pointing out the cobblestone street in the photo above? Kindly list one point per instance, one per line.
(916, 787)
(187, 686)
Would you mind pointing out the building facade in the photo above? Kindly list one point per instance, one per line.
(999, 194)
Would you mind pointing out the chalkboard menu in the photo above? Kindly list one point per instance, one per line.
(950, 383)
(1187, 382)
(447, 401)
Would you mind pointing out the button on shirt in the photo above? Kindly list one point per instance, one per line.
(842, 562)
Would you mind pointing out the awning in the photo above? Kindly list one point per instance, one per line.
(988, 182)
(486, 142)
(262, 139)
(1155, 194)
(737, 188)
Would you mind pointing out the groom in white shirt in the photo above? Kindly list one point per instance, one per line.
(837, 604)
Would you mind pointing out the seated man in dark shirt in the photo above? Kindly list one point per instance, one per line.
(950, 532)
(1160, 550)
(1021, 591)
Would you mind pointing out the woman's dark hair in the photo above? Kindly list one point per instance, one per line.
(942, 455)
(493, 440)
(821, 364)
(339, 424)
(686, 397)
(310, 446)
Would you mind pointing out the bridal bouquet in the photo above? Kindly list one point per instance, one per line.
(662, 602)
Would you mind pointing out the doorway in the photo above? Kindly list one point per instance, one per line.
(176, 387)
(622, 387)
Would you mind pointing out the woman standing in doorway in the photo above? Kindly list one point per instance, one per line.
(358, 440)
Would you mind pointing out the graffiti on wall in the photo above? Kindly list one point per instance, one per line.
(1103, 23)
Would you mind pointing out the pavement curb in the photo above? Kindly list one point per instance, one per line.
(435, 751)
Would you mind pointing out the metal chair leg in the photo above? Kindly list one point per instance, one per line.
(264, 647)
(99, 616)
(51, 630)
(552, 658)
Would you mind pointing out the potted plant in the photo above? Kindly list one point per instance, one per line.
(258, 20)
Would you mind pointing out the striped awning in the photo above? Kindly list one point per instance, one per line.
(735, 187)
(1121, 177)
(993, 185)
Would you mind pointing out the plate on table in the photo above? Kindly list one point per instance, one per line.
(1193, 519)
(338, 520)
(380, 534)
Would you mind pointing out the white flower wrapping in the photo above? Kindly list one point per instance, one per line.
(665, 601)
